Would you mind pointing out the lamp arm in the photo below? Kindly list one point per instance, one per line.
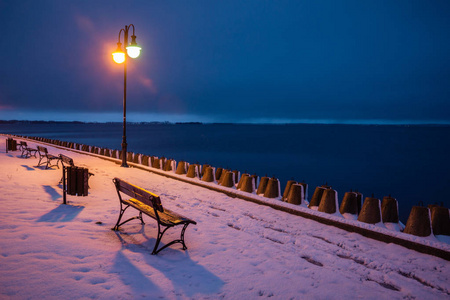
(120, 33)
(133, 27)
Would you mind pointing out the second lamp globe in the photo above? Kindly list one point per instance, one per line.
(133, 49)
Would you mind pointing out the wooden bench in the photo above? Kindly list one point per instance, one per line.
(149, 204)
(46, 158)
(27, 151)
(66, 160)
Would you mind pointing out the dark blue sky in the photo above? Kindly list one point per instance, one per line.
(244, 61)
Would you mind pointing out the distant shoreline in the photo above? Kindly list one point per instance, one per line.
(228, 123)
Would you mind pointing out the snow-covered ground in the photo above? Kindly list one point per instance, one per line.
(237, 250)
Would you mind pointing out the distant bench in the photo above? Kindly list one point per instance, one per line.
(47, 158)
(27, 151)
(149, 204)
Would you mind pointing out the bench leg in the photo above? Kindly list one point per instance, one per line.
(158, 240)
(49, 161)
(40, 159)
(160, 235)
(122, 211)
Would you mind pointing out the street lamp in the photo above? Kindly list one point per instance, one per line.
(119, 56)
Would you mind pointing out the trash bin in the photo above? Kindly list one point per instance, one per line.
(11, 144)
(77, 181)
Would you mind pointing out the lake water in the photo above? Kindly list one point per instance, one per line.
(410, 163)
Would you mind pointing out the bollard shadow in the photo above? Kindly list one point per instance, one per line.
(62, 213)
(28, 168)
(176, 265)
(52, 192)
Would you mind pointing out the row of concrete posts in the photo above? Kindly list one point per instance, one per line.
(422, 221)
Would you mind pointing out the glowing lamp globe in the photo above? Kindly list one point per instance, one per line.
(133, 51)
(119, 57)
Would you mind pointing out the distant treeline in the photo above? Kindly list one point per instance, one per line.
(79, 122)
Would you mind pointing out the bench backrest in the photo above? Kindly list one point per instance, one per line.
(42, 150)
(66, 160)
(138, 193)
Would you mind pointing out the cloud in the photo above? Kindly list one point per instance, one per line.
(84, 23)
(147, 83)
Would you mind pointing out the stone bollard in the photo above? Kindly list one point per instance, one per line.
(208, 174)
(222, 176)
(203, 170)
(329, 202)
(419, 222)
(130, 156)
(242, 180)
(273, 189)
(370, 211)
(305, 190)
(162, 162)
(389, 210)
(107, 152)
(317, 196)
(248, 184)
(170, 165)
(349, 204)
(286, 189)
(115, 154)
(181, 168)
(228, 179)
(262, 185)
(156, 163)
(218, 173)
(145, 160)
(440, 220)
(193, 171)
(136, 158)
(296, 194)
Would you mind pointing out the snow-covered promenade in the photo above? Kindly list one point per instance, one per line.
(237, 250)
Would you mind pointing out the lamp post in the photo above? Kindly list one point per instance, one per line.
(119, 56)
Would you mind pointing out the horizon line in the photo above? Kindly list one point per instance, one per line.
(254, 122)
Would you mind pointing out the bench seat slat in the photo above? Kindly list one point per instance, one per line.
(140, 194)
(167, 218)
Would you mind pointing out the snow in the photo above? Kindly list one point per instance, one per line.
(237, 250)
